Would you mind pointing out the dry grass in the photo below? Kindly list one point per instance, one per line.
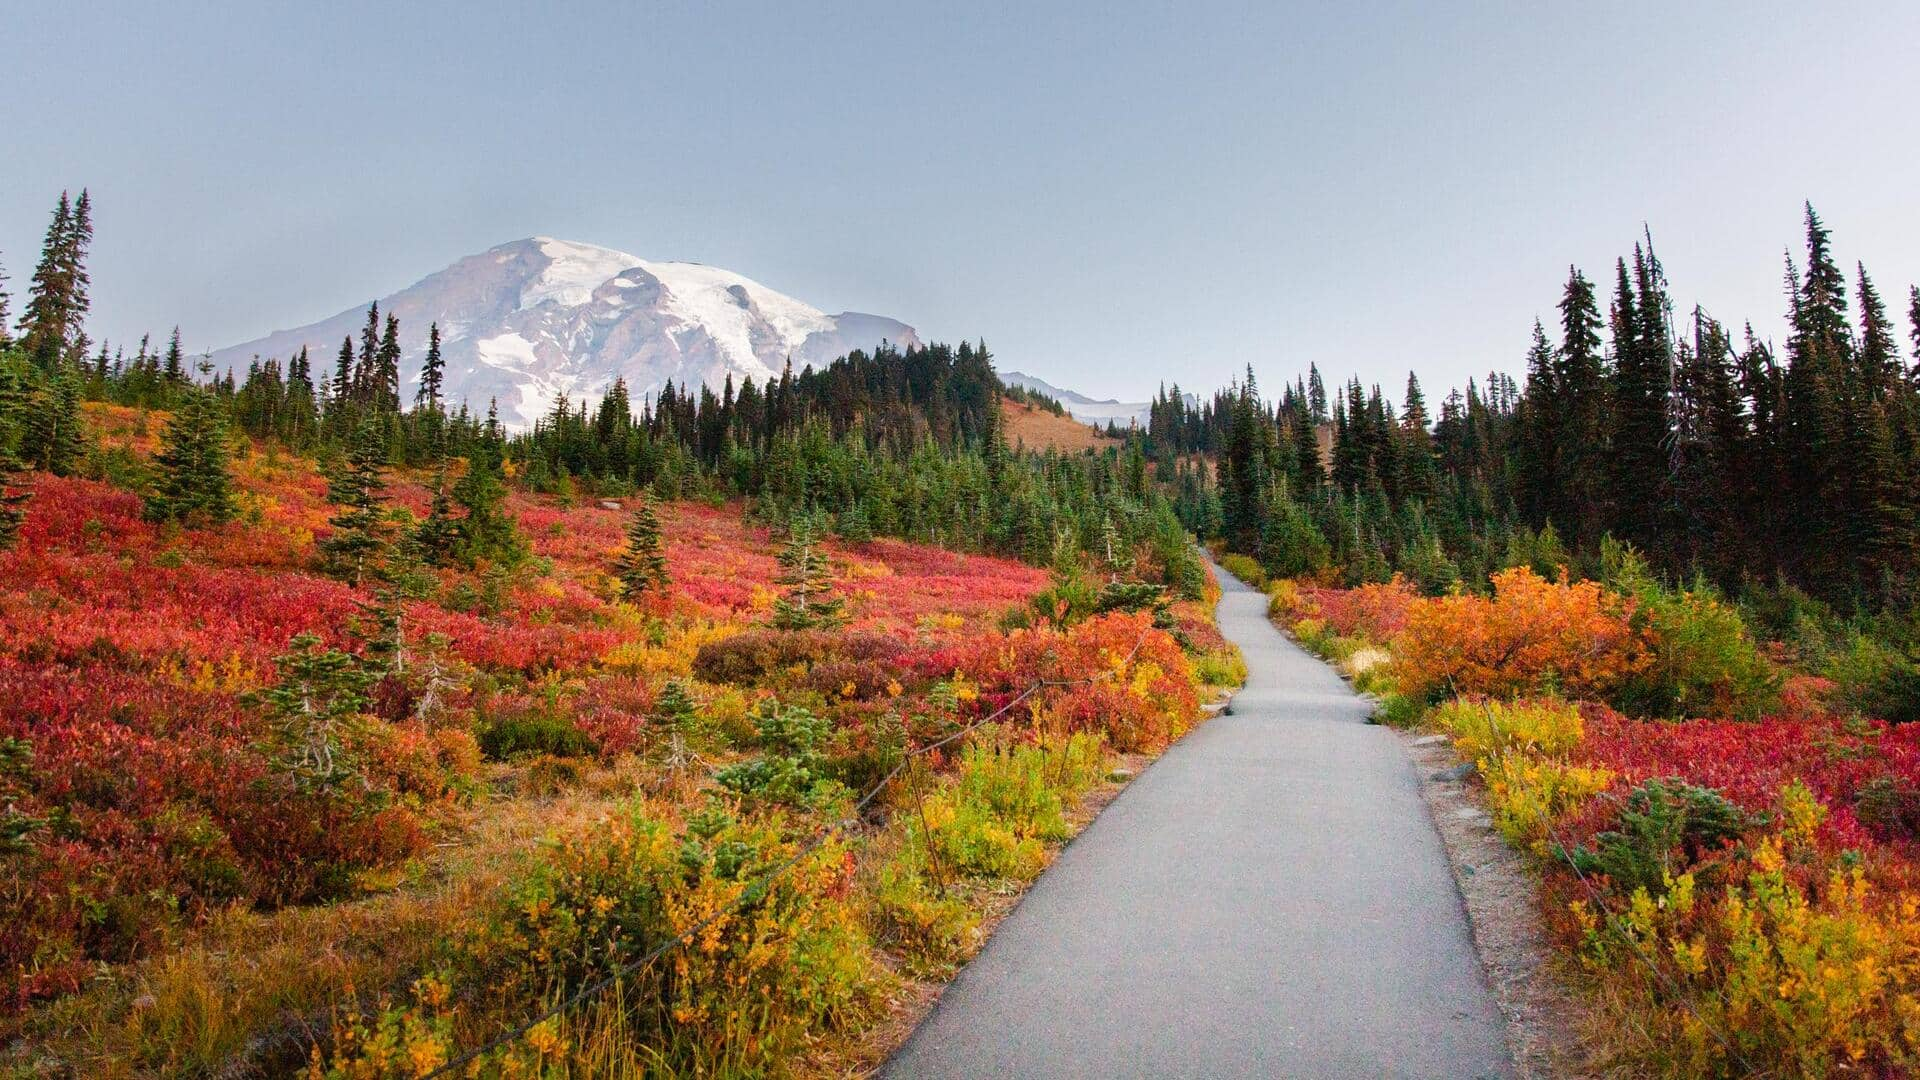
(248, 993)
(1039, 430)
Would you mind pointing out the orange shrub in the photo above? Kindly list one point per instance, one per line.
(1531, 633)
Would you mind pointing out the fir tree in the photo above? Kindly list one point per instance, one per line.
(314, 713)
(14, 495)
(386, 368)
(193, 485)
(357, 547)
(438, 536)
(809, 602)
(44, 322)
(6, 336)
(50, 434)
(643, 565)
(174, 369)
(432, 372)
(487, 532)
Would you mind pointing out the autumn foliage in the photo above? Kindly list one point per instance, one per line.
(162, 769)
(1530, 634)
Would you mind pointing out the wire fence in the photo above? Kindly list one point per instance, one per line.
(757, 888)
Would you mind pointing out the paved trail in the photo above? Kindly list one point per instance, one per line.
(1268, 899)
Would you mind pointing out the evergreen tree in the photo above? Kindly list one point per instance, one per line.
(50, 436)
(1542, 429)
(51, 293)
(1642, 376)
(487, 532)
(1580, 385)
(428, 403)
(14, 494)
(438, 536)
(193, 485)
(386, 370)
(6, 336)
(805, 571)
(356, 549)
(174, 369)
(643, 565)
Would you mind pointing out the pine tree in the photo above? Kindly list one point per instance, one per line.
(1581, 386)
(487, 531)
(343, 374)
(193, 486)
(438, 535)
(643, 565)
(386, 368)
(432, 373)
(1543, 427)
(365, 363)
(43, 325)
(175, 367)
(314, 714)
(1642, 375)
(13, 500)
(357, 547)
(50, 436)
(6, 336)
(74, 256)
(809, 602)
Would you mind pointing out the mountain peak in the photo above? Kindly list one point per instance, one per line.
(530, 319)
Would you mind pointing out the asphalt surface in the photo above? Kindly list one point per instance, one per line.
(1269, 899)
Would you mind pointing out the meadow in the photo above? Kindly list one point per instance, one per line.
(1725, 825)
(261, 819)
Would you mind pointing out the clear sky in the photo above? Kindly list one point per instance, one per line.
(1111, 194)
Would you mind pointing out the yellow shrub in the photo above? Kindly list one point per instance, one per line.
(1529, 793)
(1486, 729)
(671, 658)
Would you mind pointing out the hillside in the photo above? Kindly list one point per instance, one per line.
(1037, 429)
(265, 809)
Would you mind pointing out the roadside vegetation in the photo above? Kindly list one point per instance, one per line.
(1660, 596)
(351, 739)
(1724, 835)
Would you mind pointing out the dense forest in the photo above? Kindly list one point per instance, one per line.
(1705, 447)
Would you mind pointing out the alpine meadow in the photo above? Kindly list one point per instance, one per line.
(1425, 581)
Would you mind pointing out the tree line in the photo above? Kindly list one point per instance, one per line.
(1709, 449)
(905, 443)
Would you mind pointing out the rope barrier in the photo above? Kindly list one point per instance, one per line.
(757, 889)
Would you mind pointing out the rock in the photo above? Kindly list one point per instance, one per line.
(1472, 816)
(609, 504)
(1456, 774)
(1429, 740)
(1120, 776)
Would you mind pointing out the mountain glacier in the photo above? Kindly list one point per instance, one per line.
(525, 321)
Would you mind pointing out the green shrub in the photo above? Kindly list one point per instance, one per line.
(793, 772)
(1705, 663)
(1007, 802)
(793, 960)
(507, 737)
(1876, 679)
(1246, 568)
(1399, 711)
(1665, 826)
(1224, 667)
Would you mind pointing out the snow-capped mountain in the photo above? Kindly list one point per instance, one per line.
(524, 321)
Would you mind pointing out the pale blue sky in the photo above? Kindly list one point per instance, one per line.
(1112, 195)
